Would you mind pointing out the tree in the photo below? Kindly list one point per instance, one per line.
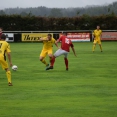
(2, 12)
(23, 14)
(55, 12)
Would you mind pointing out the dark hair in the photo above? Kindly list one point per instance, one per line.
(50, 35)
(3, 36)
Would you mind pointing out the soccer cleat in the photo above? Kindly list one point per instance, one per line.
(101, 51)
(10, 84)
(66, 69)
(51, 67)
(47, 65)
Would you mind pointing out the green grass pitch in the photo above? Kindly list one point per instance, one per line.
(88, 89)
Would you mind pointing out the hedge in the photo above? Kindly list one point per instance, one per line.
(32, 23)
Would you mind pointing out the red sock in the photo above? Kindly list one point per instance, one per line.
(52, 61)
(66, 62)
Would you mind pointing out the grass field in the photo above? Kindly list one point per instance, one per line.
(88, 89)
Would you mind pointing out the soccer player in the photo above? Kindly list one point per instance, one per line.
(97, 34)
(64, 50)
(5, 49)
(47, 48)
(0, 32)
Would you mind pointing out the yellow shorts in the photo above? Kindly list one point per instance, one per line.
(97, 41)
(3, 63)
(44, 52)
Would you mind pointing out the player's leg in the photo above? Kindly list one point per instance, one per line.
(42, 57)
(53, 60)
(99, 42)
(50, 55)
(56, 54)
(94, 45)
(100, 47)
(66, 61)
(8, 72)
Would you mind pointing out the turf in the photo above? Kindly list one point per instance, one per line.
(88, 89)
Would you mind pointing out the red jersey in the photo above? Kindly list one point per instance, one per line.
(65, 43)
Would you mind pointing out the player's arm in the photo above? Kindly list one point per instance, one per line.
(101, 35)
(9, 58)
(93, 35)
(8, 51)
(43, 39)
(56, 43)
(58, 40)
(72, 46)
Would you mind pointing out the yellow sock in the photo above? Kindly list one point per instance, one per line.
(94, 47)
(101, 47)
(44, 62)
(8, 74)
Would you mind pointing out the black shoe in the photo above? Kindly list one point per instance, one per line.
(101, 51)
(51, 67)
(47, 66)
(10, 84)
(66, 69)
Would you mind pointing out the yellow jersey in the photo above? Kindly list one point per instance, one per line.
(97, 33)
(48, 44)
(4, 48)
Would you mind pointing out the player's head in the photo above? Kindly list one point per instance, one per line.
(98, 27)
(3, 37)
(64, 33)
(0, 29)
(49, 36)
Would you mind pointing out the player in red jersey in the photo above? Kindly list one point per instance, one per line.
(64, 50)
(0, 32)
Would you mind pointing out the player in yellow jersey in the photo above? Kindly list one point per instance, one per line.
(47, 48)
(97, 34)
(5, 49)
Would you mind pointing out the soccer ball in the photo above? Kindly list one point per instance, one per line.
(14, 67)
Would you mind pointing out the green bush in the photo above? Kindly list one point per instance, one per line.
(32, 23)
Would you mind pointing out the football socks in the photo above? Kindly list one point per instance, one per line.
(8, 74)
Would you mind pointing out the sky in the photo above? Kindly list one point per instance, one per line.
(51, 3)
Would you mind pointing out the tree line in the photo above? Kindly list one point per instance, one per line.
(62, 12)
